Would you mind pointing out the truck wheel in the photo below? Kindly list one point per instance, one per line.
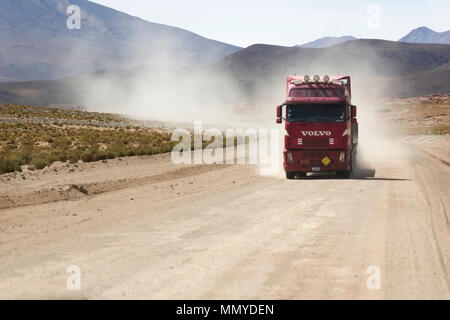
(346, 174)
(290, 175)
(343, 174)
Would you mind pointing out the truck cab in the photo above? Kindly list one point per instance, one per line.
(321, 129)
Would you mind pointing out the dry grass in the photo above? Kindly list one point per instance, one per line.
(423, 115)
(36, 137)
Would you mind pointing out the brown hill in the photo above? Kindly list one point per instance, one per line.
(378, 68)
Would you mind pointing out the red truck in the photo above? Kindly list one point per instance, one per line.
(321, 130)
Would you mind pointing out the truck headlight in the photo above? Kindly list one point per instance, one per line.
(342, 157)
(289, 157)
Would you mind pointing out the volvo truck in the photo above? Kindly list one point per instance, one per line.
(321, 129)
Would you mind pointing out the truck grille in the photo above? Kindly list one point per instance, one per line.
(312, 158)
(314, 155)
(319, 142)
(311, 163)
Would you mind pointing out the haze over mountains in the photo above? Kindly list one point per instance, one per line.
(36, 43)
(256, 74)
(374, 64)
(155, 69)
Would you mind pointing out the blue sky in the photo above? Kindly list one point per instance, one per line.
(290, 22)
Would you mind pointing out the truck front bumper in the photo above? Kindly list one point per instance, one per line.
(316, 160)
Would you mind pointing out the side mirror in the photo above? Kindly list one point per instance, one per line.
(279, 113)
(353, 111)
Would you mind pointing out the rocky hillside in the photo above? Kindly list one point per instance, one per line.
(37, 45)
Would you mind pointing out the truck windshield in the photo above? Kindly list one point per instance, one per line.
(316, 112)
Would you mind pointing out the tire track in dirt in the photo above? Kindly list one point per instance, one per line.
(77, 191)
(437, 211)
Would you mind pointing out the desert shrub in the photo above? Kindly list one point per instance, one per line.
(110, 155)
(40, 161)
(62, 156)
(57, 139)
(98, 156)
(9, 165)
(87, 156)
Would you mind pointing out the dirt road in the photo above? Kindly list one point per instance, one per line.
(144, 228)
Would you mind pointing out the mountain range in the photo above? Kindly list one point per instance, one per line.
(419, 35)
(115, 58)
(36, 43)
(373, 64)
(426, 35)
(326, 42)
(378, 68)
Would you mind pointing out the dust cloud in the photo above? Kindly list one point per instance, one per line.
(167, 86)
(170, 87)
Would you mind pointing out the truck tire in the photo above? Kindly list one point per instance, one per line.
(347, 174)
(301, 174)
(290, 175)
(344, 174)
